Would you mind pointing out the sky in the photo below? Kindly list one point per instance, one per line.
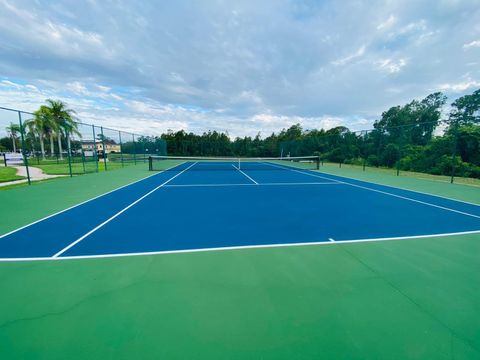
(242, 67)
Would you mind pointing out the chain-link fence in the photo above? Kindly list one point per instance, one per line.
(417, 148)
(28, 143)
(441, 147)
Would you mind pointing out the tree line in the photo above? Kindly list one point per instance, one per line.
(419, 136)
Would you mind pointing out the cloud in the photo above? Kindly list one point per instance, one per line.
(391, 66)
(9, 84)
(350, 57)
(460, 86)
(77, 88)
(475, 43)
(387, 23)
(244, 66)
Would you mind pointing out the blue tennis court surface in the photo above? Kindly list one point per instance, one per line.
(192, 207)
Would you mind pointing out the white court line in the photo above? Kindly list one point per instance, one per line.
(397, 187)
(330, 239)
(84, 202)
(248, 177)
(119, 213)
(259, 184)
(246, 247)
(384, 192)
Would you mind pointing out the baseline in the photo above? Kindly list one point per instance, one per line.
(246, 247)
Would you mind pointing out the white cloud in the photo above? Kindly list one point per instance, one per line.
(390, 65)
(349, 58)
(387, 23)
(103, 88)
(244, 67)
(413, 27)
(460, 86)
(7, 83)
(475, 43)
(77, 88)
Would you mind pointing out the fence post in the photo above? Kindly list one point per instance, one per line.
(364, 149)
(134, 151)
(95, 148)
(400, 143)
(69, 154)
(25, 157)
(104, 150)
(83, 161)
(121, 150)
(454, 152)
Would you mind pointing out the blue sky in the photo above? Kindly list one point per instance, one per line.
(238, 66)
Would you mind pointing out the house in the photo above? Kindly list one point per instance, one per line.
(110, 146)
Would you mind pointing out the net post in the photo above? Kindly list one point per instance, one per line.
(25, 157)
(318, 162)
(150, 163)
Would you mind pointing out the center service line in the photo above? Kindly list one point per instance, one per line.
(119, 213)
(256, 183)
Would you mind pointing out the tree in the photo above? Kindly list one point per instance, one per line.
(30, 133)
(12, 131)
(42, 125)
(466, 109)
(62, 117)
(414, 122)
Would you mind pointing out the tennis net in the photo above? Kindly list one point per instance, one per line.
(179, 163)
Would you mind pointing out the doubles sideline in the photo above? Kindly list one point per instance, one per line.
(380, 191)
(119, 213)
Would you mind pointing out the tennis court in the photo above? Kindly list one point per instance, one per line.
(220, 204)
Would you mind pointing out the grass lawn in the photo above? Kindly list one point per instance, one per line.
(431, 184)
(393, 172)
(9, 174)
(77, 168)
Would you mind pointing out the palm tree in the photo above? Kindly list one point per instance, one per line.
(13, 130)
(30, 135)
(62, 117)
(71, 128)
(42, 125)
